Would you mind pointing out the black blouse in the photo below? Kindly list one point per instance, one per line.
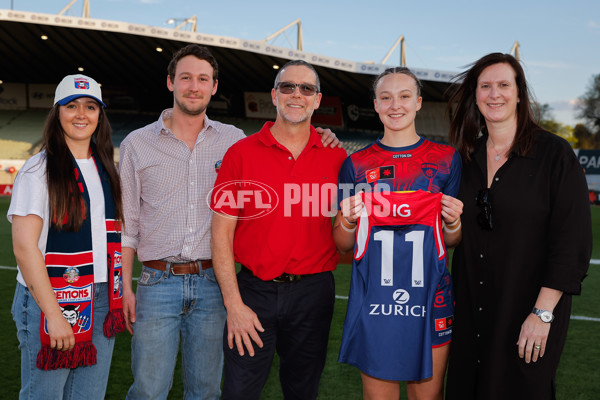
(542, 236)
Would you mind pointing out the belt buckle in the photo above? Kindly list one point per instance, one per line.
(285, 278)
(172, 270)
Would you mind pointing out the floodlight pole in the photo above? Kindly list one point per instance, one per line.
(185, 21)
(192, 20)
(515, 51)
(85, 13)
(402, 53)
(279, 32)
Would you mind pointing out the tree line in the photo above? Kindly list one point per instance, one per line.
(584, 135)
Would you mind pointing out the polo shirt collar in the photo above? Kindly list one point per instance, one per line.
(267, 138)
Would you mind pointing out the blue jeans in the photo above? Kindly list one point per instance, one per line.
(79, 383)
(171, 308)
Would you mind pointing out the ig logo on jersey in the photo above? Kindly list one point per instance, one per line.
(401, 296)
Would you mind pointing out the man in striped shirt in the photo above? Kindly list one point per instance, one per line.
(167, 169)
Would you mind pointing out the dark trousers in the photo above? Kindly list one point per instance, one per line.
(296, 317)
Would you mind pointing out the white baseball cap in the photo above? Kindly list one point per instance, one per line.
(75, 86)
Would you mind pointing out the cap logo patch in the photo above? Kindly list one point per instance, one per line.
(81, 83)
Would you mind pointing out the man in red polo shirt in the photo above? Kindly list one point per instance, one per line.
(273, 200)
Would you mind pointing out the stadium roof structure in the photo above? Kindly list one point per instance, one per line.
(43, 48)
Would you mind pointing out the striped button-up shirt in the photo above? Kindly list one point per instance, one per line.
(165, 187)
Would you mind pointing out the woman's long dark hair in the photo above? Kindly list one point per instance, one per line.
(466, 121)
(66, 203)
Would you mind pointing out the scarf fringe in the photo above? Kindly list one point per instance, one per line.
(82, 355)
(114, 323)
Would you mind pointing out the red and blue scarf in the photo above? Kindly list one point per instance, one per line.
(70, 266)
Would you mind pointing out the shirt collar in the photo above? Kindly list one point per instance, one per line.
(209, 125)
(166, 114)
(267, 138)
(400, 149)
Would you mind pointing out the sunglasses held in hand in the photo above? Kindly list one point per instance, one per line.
(484, 218)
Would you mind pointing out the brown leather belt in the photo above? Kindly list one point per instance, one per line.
(192, 267)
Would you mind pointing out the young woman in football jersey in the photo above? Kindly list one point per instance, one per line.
(65, 212)
(400, 308)
(526, 243)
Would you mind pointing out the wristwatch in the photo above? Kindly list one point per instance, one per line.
(545, 316)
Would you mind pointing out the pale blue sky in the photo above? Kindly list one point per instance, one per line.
(560, 40)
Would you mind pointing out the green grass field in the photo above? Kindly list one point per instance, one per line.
(577, 376)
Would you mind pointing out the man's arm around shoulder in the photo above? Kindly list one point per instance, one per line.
(242, 323)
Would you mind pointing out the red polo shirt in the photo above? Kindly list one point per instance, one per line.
(283, 206)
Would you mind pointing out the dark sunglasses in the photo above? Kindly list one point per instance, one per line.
(306, 89)
(484, 218)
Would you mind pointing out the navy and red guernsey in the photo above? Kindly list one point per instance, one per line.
(400, 303)
(426, 165)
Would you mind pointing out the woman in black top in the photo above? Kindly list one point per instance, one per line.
(526, 240)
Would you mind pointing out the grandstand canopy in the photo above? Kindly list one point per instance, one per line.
(123, 58)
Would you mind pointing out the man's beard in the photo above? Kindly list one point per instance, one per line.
(192, 112)
(284, 115)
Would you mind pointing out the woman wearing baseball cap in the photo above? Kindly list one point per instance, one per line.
(65, 213)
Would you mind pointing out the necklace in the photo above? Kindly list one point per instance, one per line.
(498, 153)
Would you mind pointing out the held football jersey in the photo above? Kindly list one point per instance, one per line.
(399, 271)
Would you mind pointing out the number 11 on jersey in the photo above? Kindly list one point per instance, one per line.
(386, 238)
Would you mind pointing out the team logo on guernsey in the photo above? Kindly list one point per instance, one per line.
(218, 166)
(387, 172)
(71, 275)
(82, 83)
(429, 170)
(441, 324)
(439, 301)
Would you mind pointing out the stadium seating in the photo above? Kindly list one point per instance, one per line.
(431, 123)
(124, 123)
(20, 132)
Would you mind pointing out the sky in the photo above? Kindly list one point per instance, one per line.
(559, 40)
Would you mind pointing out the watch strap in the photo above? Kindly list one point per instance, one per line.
(539, 313)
